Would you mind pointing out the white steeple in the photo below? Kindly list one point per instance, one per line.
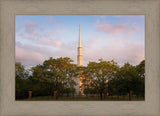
(80, 45)
(80, 56)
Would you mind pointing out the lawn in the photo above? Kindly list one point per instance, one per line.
(84, 98)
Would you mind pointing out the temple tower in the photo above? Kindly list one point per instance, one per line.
(79, 63)
(80, 56)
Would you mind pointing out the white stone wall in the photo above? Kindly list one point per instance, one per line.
(80, 57)
(77, 87)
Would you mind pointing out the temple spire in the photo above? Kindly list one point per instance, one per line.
(80, 45)
(79, 56)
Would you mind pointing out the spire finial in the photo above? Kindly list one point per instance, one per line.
(80, 56)
(79, 35)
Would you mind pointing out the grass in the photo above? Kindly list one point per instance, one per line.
(83, 98)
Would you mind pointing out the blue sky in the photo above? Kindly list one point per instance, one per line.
(117, 37)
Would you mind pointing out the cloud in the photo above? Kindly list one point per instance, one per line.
(19, 35)
(34, 44)
(115, 29)
(48, 33)
(96, 40)
(28, 57)
(33, 33)
(61, 31)
(45, 39)
(51, 42)
(32, 54)
(51, 19)
(119, 28)
(32, 28)
(131, 52)
(121, 50)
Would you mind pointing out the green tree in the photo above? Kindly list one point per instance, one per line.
(20, 71)
(21, 76)
(141, 71)
(141, 68)
(56, 73)
(97, 74)
(127, 79)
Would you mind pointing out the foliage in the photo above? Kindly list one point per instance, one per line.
(58, 73)
(20, 71)
(53, 75)
(21, 75)
(141, 68)
(97, 78)
(96, 75)
(125, 80)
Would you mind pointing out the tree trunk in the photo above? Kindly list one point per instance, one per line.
(101, 95)
(130, 95)
(105, 95)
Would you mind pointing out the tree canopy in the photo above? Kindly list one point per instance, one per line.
(96, 75)
(58, 74)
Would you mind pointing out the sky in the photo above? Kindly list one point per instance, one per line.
(117, 37)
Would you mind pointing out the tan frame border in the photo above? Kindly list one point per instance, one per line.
(10, 107)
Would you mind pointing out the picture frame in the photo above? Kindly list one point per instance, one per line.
(10, 8)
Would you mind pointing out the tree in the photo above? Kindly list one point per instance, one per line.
(20, 71)
(141, 71)
(127, 79)
(56, 73)
(141, 68)
(96, 75)
(21, 76)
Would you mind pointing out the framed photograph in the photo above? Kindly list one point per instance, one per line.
(80, 57)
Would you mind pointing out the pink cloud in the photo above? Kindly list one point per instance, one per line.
(118, 42)
(28, 56)
(61, 30)
(121, 51)
(96, 40)
(48, 33)
(42, 40)
(131, 52)
(119, 28)
(51, 19)
(31, 28)
(31, 55)
(49, 42)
